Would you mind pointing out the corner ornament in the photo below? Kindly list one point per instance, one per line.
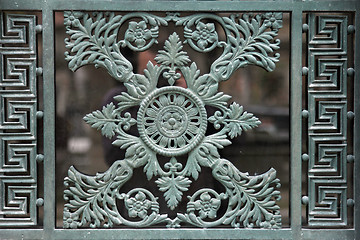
(172, 121)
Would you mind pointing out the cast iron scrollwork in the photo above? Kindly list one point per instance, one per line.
(172, 120)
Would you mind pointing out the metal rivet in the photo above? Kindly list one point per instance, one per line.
(38, 28)
(39, 71)
(305, 113)
(305, 200)
(305, 27)
(351, 29)
(40, 158)
(350, 202)
(305, 157)
(350, 158)
(39, 202)
(304, 71)
(350, 115)
(39, 114)
(350, 72)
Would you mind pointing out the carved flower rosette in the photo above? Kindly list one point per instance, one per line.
(172, 121)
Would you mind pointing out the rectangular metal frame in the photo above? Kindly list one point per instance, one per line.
(296, 10)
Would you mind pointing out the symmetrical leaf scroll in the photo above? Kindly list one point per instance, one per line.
(251, 199)
(172, 121)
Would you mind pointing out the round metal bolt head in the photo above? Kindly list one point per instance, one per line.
(305, 113)
(39, 114)
(305, 200)
(351, 29)
(350, 202)
(39, 71)
(40, 158)
(350, 158)
(38, 28)
(39, 202)
(350, 72)
(305, 27)
(305, 157)
(350, 115)
(304, 71)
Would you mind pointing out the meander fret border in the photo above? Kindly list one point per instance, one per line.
(296, 8)
(327, 117)
(18, 124)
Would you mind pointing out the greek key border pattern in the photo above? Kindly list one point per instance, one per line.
(18, 120)
(327, 120)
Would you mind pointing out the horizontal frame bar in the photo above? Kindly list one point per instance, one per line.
(172, 234)
(328, 234)
(109, 5)
(18, 233)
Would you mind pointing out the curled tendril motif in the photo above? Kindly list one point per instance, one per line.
(172, 121)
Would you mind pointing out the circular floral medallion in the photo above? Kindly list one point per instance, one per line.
(172, 120)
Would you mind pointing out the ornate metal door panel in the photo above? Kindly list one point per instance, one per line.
(163, 127)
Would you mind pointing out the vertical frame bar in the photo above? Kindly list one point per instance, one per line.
(296, 121)
(356, 170)
(49, 121)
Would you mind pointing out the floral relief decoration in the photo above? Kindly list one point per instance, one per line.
(172, 121)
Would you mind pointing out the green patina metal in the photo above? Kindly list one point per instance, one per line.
(327, 72)
(18, 124)
(172, 120)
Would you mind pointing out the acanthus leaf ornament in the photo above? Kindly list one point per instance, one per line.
(172, 121)
(108, 121)
(235, 120)
(173, 57)
(173, 184)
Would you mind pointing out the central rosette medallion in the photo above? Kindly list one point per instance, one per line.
(172, 121)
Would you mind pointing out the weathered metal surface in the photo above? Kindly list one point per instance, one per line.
(296, 124)
(18, 120)
(172, 121)
(296, 231)
(327, 77)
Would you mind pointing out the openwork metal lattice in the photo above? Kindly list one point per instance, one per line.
(172, 120)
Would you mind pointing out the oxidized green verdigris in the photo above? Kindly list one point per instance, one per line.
(172, 121)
